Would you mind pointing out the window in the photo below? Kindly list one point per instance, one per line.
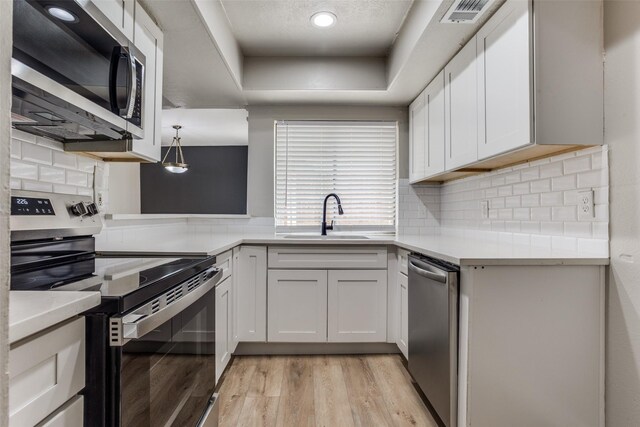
(355, 160)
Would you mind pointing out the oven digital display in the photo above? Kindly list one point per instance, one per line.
(31, 206)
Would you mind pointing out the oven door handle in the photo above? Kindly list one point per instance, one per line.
(136, 325)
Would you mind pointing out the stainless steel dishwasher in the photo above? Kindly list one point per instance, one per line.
(433, 333)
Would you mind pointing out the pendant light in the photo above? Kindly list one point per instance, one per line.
(179, 166)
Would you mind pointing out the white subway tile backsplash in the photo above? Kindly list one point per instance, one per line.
(530, 200)
(40, 164)
(51, 174)
(577, 164)
(593, 179)
(541, 186)
(16, 149)
(522, 188)
(578, 229)
(551, 199)
(540, 214)
(77, 178)
(64, 160)
(567, 182)
(551, 170)
(49, 143)
(23, 170)
(37, 186)
(36, 154)
(564, 213)
(536, 198)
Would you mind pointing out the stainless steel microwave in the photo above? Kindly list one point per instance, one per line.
(75, 76)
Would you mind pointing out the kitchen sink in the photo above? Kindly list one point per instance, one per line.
(329, 237)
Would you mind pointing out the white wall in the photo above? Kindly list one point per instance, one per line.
(622, 133)
(124, 188)
(261, 143)
(5, 114)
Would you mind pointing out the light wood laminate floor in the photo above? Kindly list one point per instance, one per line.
(331, 391)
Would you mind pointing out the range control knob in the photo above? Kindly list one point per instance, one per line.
(92, 209)
(78, 209)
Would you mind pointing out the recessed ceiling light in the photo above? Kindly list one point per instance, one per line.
(323, 19)
(62, 14)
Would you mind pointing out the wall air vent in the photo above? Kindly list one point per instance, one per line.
(465, 11)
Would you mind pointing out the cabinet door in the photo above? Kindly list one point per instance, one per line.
(119, 12)
(504, 81)
(435, 124)
(149, 40)
(235, 266)
(252, 294)
(357, 306)
(417, 139)
(403, 333)
(297, 305)
(461, 107)
(224, 334)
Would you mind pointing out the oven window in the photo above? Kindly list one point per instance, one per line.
(168, 376)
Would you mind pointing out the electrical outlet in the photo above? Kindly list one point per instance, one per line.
(484, 209)
(585, 205)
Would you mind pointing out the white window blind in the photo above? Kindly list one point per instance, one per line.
(355, 160)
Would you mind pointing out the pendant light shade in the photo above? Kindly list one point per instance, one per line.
(179, 165)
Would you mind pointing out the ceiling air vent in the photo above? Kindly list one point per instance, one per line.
(465, 11)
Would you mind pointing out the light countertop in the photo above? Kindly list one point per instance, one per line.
(461, 250)
(33, 311)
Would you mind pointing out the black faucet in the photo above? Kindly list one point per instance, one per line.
(326, 227)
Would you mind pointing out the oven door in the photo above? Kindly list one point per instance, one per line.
(76, 77)
(167, 369)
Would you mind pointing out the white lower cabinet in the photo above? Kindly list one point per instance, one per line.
(71, 414)
(357, 306)
(297, 307)
(224, 331)
(403, 314)
(46, 371)
(252, 293)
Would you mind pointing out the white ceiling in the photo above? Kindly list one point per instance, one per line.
(283, 27)
(195, 74)
(206, 126)
(234, 53)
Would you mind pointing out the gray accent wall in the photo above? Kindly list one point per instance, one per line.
(216, 183)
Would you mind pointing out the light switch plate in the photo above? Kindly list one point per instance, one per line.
(586, 209)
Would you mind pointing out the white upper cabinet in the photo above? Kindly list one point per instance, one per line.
(119, 12)
(504, 81)
(435, 126)
(417, 119)
(461, 98)
(149, 40)
(527, 85)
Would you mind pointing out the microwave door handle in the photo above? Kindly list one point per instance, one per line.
(120, 53)
(133, 87)
(135, 325)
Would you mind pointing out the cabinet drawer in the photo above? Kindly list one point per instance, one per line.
(403, 261)
(45, 371)
(225, 262)
(71, 414)
(374, 257)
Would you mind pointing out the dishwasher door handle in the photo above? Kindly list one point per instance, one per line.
(425, 271)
